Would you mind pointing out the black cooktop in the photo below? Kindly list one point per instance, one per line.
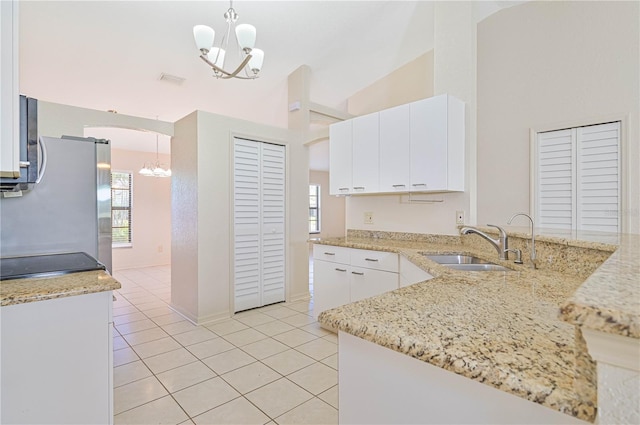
(47, 265)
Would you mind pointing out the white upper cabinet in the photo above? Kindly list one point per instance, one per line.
(340, 155)
(394, 149)
(366, 154)
(9, 91)
(417, 147)
(437, 144)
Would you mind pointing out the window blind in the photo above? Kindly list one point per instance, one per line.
(121, 185)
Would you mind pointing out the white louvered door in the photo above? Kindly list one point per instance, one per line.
(555, 175)
(598, 182)
(272, 223)
(259, 205)
(578, 178)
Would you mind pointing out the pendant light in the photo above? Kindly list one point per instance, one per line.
(155, 169)
(214, 56)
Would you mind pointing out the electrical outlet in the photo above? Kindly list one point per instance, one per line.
(160, 248)
(368, 218)
(459, 217)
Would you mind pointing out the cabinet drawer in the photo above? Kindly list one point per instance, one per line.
(335, 254)
(377, 260)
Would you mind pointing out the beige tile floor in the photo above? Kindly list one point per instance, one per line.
(270, 365)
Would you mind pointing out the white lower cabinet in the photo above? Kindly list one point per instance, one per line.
(57, 361)
(344, 275)
(331, 285)
(367, 283)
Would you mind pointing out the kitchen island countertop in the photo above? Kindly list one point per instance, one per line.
(504, 329)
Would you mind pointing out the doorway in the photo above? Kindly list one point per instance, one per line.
(141, 205)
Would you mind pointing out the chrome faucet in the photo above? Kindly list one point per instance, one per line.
(533, 238)
(501, 244)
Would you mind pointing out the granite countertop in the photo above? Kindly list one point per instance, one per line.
(20, 291)
(609, 300)
(504, 329)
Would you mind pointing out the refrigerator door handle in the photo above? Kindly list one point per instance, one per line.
(42, 151)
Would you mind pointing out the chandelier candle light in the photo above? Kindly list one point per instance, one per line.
(214, 56)
(155, 169)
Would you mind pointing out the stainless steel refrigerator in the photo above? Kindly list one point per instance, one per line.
(68, 209)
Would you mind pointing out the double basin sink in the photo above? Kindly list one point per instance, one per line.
(465, 262)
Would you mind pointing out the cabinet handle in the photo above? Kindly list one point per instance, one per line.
(358, 273)
(343, 188)
(370, 259)
(419, 184)
(398, 185)
(341, 270)
(329, 253)
(358, 188)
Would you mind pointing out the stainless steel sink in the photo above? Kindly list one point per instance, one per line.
(478, 267)
(455, 259)
(466, 263)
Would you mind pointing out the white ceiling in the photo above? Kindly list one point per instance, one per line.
(110, 54)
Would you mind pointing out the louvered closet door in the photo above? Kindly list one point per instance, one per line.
(258, 224)
(578, 178)
(247, 220)
(555, 179)
(598, 183)
(272, 223)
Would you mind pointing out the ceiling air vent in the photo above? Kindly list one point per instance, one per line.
(173, 79)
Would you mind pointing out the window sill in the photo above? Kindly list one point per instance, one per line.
(122, 245)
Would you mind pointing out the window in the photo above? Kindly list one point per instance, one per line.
(578, 178)
(314, 208)
(121, 208)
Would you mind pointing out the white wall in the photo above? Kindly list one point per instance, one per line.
(55, 120)
(332, 208)
(151, 213)
(201, 154)
(542, 64)
(450, 68)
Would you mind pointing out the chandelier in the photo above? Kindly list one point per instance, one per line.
(155, 169)
(251, 59)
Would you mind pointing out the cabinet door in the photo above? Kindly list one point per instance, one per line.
(366, 154)
(394, 149)
(9, 94)
(330, 285)
(57, 361)
(366, 283)
(340, 158)
(429, 144)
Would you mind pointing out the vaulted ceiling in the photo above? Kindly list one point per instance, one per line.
(110, 54)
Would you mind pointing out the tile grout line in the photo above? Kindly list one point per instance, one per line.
(186, 347)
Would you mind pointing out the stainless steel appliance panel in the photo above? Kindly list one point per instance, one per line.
(61, 213)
